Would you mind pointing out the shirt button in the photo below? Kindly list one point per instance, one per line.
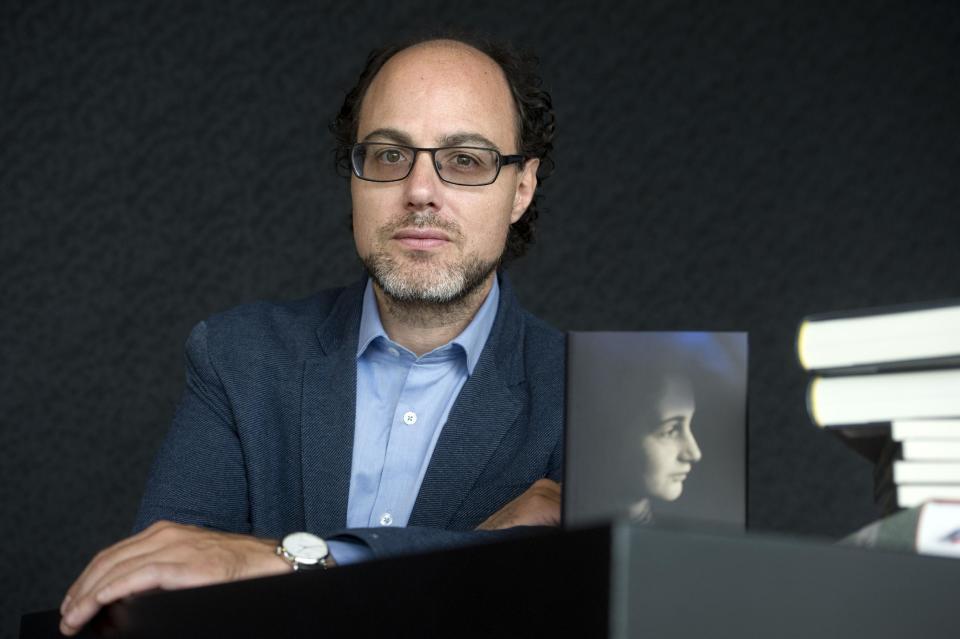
(393, 351)
(386, 519)
(410, 418)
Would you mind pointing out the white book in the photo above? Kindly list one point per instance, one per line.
(885, 336)
(926, 472)
(864, 399)
(902, 430)
(931, 450)
(914, 495)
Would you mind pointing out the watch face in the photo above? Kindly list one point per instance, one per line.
(305, 547)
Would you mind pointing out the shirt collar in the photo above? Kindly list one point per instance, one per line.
(471, 340)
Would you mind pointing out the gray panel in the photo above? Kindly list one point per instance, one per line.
(676, 583)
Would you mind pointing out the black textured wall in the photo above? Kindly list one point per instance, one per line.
(719, 166)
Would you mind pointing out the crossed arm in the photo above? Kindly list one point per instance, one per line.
(170, 556)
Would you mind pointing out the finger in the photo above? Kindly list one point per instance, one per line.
(165, 575)
(157, 567)
(168, 554)
(108, 568)
(80, 607)
(66, 629)
(209, 557)
(548, 484)
(546, 489)
(94, 564)
(170, 575)
(143, 542)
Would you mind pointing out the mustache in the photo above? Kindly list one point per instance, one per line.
(420, 220)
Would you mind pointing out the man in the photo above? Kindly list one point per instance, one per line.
(411, 408)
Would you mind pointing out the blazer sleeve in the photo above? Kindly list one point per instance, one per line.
(391, 542)
(198, 475)
(556, 463)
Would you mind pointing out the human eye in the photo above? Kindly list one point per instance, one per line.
(391, 154)
(465, 160)
(670, 429)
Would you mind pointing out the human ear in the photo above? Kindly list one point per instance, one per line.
(526, 187)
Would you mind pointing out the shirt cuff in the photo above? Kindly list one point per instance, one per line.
(349, 552)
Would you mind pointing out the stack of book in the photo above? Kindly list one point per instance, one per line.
(887, 381)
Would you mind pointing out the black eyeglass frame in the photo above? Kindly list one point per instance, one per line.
(502, 160)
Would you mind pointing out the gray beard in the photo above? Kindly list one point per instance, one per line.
(443, 290)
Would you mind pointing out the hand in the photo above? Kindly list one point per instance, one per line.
(538, 506)
(166, 556)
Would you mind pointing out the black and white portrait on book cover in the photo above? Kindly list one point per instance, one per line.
(656, 427)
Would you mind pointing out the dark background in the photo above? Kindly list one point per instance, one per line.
(720, 166)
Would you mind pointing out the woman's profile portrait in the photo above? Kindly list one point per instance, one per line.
(656, 426)
(666, 447)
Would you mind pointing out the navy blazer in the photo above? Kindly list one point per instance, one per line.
(262, 440)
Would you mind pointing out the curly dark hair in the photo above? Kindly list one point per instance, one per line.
(536, 122)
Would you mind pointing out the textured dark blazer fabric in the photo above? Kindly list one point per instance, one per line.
(262, 440)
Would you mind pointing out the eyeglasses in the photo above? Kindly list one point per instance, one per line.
(460, 165)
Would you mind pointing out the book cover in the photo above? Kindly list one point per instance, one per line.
(865, 399)
(915, 494)
(902, 430)
(926, 472)
(931, 450)
(908, 336)
(656, 426)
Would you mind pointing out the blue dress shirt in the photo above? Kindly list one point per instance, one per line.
(402, 404)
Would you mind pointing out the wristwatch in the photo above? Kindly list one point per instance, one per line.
(304, 551)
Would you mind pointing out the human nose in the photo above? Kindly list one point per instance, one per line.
(423, 188)
(690, 451)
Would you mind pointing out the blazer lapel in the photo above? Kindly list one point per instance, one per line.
(487, 406)
(328, 416)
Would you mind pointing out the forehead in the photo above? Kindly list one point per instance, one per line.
(677, 397)
(438, 89)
